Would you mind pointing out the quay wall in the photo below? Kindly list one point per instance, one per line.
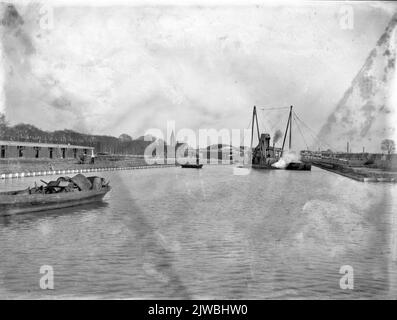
(77, 170)
(17, 168)
(362, 174)
(374, 160)
(12, 168)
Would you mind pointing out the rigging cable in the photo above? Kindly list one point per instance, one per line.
(316, 140)
(272, 124)
(314, 135)
(310, 131)
(248, 127)
(300, 131)
(273, 108)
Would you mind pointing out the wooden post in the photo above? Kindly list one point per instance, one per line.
(197, 157)
(231, 153)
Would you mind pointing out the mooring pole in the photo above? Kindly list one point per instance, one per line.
(231, 152)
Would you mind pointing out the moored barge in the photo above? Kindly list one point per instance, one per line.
(63, 193)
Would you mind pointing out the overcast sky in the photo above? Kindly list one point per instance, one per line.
(124, 69)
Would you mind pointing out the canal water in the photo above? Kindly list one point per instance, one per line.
(210, 233)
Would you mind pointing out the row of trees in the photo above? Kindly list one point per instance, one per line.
(388, 146)
(124, 144)
(102, 143)
(3, 124)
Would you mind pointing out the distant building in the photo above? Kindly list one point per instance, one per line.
(31, 150)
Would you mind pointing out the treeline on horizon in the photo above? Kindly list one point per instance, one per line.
(102, 143)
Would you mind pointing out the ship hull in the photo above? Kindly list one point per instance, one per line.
(263, 167)
(192, 166)
(296, 166)
(25, 203)
(299, 166)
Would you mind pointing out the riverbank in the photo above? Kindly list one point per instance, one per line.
(362, 174)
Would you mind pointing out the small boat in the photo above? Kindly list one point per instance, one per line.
(63, 193)
(193, 166)
(197, 165)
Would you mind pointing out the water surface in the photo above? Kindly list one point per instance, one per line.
(182, 233)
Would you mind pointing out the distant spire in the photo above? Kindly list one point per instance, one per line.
(172, 138)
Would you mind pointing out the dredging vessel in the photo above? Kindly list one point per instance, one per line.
(267, 156)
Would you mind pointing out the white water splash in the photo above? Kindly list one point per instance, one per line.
(286, 159)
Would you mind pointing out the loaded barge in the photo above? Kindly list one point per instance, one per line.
(62, 193)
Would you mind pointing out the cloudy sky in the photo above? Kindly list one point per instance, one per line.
(109, 68)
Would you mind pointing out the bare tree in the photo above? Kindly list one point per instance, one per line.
(3, 125)
(388, 146)
(125, 138)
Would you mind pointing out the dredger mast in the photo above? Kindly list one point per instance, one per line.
(289, 126)
(254, 120)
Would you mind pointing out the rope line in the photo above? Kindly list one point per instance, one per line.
(300, 131)
(272, 124)
(314, 135)
(273, 108)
